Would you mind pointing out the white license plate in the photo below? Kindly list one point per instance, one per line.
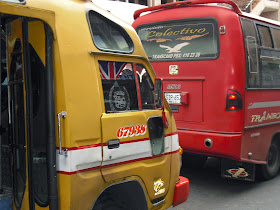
(173, 98)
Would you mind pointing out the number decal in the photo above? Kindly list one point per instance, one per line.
(130, 131)
(120, 133)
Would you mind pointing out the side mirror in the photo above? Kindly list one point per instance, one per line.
(158, 94)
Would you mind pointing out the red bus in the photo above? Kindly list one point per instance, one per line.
(221, 72)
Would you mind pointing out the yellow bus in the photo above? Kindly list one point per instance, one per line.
(87, 124)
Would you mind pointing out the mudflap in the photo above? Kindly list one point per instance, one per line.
(237, 170)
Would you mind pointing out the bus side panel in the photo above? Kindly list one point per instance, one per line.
(261, 118)
(261, 107)
(256, 143)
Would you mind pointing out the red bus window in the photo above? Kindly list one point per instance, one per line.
(265, 37)
(276, 37)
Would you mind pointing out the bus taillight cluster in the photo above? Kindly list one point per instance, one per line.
(233, 101)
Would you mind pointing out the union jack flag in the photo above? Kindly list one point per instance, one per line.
(110, 70)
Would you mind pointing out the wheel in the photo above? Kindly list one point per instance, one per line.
(193, 160)
(108, 202)
(271, 168)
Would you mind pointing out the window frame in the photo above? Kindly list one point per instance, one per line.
(133, 62)
(187, 20)
(112, 23)
(260, 49)
(274, 40)
(23, 2)
(259, 34)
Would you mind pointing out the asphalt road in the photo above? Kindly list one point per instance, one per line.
(209, 191)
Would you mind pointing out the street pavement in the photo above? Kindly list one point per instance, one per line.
(208, 191)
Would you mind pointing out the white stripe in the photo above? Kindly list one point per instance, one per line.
(82, 159)
(175, 142)
(79, 159)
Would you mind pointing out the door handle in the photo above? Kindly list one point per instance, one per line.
(59, 115)
(113, 143)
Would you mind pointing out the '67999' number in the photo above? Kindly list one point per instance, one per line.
(130, 131)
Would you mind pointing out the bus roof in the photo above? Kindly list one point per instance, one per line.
(206, 3)
(259, 18)
(186, 4)
(122, 10)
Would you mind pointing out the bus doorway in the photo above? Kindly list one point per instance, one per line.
(5, 172)
(23, 100)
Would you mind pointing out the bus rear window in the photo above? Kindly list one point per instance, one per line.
(180, 40)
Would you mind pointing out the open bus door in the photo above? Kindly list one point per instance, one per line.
(28, 128)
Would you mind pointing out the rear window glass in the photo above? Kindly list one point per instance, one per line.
(181, 40)
(107, 35)
(264, 36)
(126, 86)
(276, 37)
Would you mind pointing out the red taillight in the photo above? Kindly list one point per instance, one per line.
(232, 96)
(234, 101)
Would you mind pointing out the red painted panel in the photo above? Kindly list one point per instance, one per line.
(191, 111)
(224, 145)
(262, 107)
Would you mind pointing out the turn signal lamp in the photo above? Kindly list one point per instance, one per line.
(233, 101)
(181, 151)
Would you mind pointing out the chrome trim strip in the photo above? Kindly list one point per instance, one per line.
(268, 57)
(261, 125)
(264, 104)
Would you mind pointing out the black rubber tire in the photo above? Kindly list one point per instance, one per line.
(109, 202)
(193, 160)
(271, 169)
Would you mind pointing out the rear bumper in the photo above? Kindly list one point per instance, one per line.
(182, 190)
(223, 145)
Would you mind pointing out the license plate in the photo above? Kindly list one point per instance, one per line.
(173, 98)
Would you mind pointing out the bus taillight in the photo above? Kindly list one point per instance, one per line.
(234, 101)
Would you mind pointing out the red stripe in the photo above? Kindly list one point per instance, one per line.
(79, 171)
(171, 134)
(117, 164)
(140, 159)
(105, 144)
(121, 69)
(102, 75)
(82, 147)
(111, 70)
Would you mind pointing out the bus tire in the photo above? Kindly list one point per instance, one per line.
(271, 168)
(108, 202)
(193, 160)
